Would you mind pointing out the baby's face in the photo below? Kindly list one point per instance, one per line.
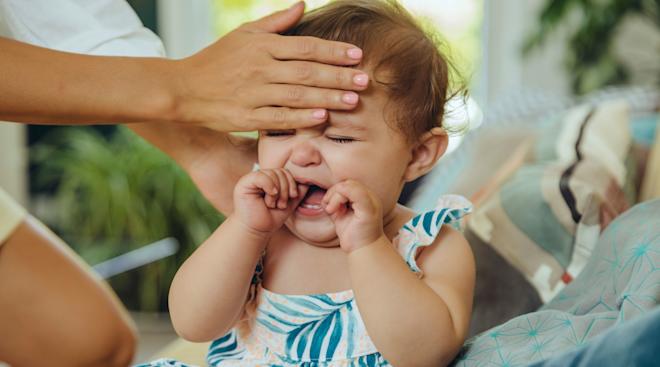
(356, 145)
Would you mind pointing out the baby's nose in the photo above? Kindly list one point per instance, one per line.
(305, 154)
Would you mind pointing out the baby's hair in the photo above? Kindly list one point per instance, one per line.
(403, 56)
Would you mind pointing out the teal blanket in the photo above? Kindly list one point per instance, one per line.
(620, 282)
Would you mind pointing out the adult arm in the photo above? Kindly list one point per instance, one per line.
(39, 85)
(56, 310)
(251, 78)
(215, 161)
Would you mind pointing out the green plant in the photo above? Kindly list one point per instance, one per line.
(591, 61)
(114, 195)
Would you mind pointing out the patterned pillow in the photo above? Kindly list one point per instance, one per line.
(620, 282)
(604, 133)
(545, 219)
(600, 132)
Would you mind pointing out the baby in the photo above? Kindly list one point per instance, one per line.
(345, 276)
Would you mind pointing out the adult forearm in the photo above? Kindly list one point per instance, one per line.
(214, 160)
(209, 291)
(398, 308)
(39, 85)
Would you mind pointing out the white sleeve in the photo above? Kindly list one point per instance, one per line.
(99, 27)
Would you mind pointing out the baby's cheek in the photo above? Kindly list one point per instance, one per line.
(270, 158)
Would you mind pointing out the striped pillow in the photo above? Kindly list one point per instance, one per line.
(545, 219)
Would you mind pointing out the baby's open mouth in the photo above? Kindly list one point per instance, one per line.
(311, 203)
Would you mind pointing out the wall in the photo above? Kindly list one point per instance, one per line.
(185, 26)
(507, 23)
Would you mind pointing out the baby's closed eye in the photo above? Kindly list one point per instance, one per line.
(341, 139)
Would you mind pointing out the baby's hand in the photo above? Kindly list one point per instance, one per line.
(264, 199)
(356, 212)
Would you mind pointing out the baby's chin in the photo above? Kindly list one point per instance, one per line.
(315, 234)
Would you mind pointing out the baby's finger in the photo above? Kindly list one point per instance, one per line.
(336, 202)
(356, 194)
(328, 195)
(265, 182)
(271, 188)
(284, 189)
(302, 191)
(271, 201)
(293, 185)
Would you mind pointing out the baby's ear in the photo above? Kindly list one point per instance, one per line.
(430, 147)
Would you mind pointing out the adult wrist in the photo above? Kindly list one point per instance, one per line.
(185, 106)
(159, 94)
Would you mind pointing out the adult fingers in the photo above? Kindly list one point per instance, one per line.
(317, 75)
(299, 96)
(284, 118)
(313, 49)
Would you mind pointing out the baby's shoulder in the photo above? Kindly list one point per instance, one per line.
(448, 246)
(434, 232)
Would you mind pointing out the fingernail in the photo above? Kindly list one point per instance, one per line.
(295, 4)
(350, 97)
(319, 114)
(354, 53)
(361, 79)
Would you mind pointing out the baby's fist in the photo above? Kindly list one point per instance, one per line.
(264, 199)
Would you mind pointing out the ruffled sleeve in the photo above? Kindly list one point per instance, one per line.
(423, 228)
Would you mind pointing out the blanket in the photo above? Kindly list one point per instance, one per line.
(621, 281)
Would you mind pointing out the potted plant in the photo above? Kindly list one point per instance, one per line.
(116, 194)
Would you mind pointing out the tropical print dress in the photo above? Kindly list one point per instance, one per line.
(320, 330)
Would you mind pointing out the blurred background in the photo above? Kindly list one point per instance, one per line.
(134, 215)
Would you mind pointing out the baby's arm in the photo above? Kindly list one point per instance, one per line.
(209, 291)
(412, 321)
(403, 313)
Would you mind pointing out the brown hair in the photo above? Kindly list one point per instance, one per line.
(402, 56)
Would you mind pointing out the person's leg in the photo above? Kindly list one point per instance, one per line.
(53, 310)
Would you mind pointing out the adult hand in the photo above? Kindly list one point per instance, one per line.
(254, 78)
